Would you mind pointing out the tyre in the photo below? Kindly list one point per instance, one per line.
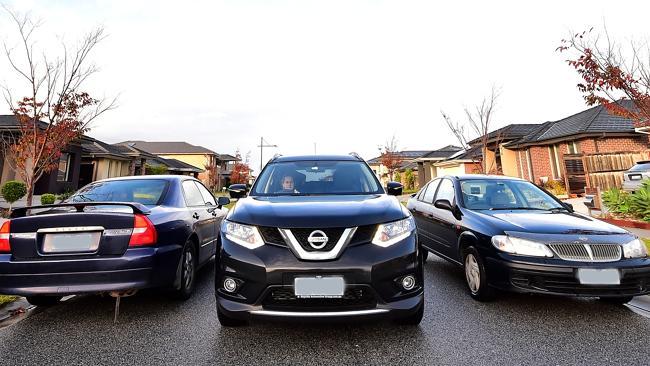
(227, 321)
(476, 276)
(187, 273)
(616, 300)
(413, 319)
(40, 300)
(425, 254)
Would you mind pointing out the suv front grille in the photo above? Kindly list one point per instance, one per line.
(333, 235)
(271, 235)
(363, 235)
(587, 252)
(283, 298)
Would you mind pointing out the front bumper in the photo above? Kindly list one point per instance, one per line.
(138, 268)
(266, 274)
(557, 277)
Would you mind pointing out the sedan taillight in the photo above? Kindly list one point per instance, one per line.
(5, 231)
(144, 232)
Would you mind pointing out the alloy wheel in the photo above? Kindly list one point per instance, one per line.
(472, 273)
(188, 269)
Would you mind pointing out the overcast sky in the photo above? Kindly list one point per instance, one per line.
(346, 75)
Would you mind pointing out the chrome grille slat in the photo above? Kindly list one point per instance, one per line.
(580, 253)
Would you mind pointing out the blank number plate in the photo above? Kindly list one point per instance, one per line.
(71, 242)
(319, 287)
(588, 276)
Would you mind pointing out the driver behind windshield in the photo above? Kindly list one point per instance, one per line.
(288, 185)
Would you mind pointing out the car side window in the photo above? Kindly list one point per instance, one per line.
(192, 194)
(431, 191)
(207, 196)
(446, 191)
(421, 192)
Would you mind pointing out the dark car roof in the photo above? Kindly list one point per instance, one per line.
(163, 177)
(482, 176)
(316, 157)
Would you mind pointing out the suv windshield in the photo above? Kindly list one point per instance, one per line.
(499, 194)
(144, 191)
(316, 177)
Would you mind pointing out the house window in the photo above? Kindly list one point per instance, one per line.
(63, 174)
(553, 151)
(573, 148)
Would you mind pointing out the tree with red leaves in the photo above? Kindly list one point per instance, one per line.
(241, 171)
(612, 73)
(391, 158)
(55, 112)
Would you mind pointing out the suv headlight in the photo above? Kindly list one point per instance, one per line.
(635, 249)
(244, 235)
(520, 246)
(392, 232)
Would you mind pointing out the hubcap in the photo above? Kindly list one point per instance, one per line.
(472, 273)
(188, 269)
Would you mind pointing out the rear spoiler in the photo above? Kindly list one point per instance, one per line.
(138, 208)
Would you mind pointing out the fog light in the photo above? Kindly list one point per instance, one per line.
(229, 285)
(408, 282)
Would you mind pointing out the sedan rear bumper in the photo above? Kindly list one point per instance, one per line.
(555, 279)
(137, 269)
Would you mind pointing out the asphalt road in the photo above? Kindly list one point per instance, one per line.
(515, 330)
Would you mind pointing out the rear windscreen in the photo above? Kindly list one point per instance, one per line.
(143, 191)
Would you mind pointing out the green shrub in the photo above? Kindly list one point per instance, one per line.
(410, 179)
(640, 202)
(156, 170)
(397, 177)
(13, 190)
(65, 195)
(617, 201)
(48, 199)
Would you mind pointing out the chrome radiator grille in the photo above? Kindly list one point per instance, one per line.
(587, 252)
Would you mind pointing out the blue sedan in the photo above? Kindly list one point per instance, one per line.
(115, 235)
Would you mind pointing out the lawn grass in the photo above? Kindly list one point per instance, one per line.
(647, 243)
(4, 299)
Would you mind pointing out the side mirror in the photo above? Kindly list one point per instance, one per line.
(444, 205)
(237, 191)
(394, 188)
(222, 201)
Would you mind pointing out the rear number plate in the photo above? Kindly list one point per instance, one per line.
(588, 276)
(71, 242)
(319, 287)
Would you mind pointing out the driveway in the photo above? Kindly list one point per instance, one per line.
(152, 330)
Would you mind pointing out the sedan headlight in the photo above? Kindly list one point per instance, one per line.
(392, 232)
(635, 249)
(520, 246)
(244, 235)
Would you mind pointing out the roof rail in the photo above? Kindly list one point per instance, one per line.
(356, 155)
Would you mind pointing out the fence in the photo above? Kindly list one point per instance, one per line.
(603, 170)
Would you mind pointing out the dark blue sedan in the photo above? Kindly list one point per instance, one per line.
(121, 235)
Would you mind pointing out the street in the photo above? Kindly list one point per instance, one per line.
(516, 329)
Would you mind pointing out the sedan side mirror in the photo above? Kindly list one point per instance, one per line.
(394, 188)
(237, 191)
(223, 201)
(444, 205)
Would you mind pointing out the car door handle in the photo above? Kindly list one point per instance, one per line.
(195, 216)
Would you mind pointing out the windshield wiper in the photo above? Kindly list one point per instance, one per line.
(516, 208)
(557, 209)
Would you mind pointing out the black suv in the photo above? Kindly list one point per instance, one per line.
(319, 238)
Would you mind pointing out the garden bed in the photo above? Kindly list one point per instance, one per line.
(4, 299)
(622, 222)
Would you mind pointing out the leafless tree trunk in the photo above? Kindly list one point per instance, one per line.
(478, 123)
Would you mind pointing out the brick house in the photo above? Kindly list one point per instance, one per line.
(557, 150)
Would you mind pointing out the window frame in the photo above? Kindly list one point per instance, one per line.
(453, 190)
(202, 188)
(66, 174)
(437, 182)
(185, 193)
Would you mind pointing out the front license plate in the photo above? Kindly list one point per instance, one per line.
(71, 242)
(588, 276)
(319, 287)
